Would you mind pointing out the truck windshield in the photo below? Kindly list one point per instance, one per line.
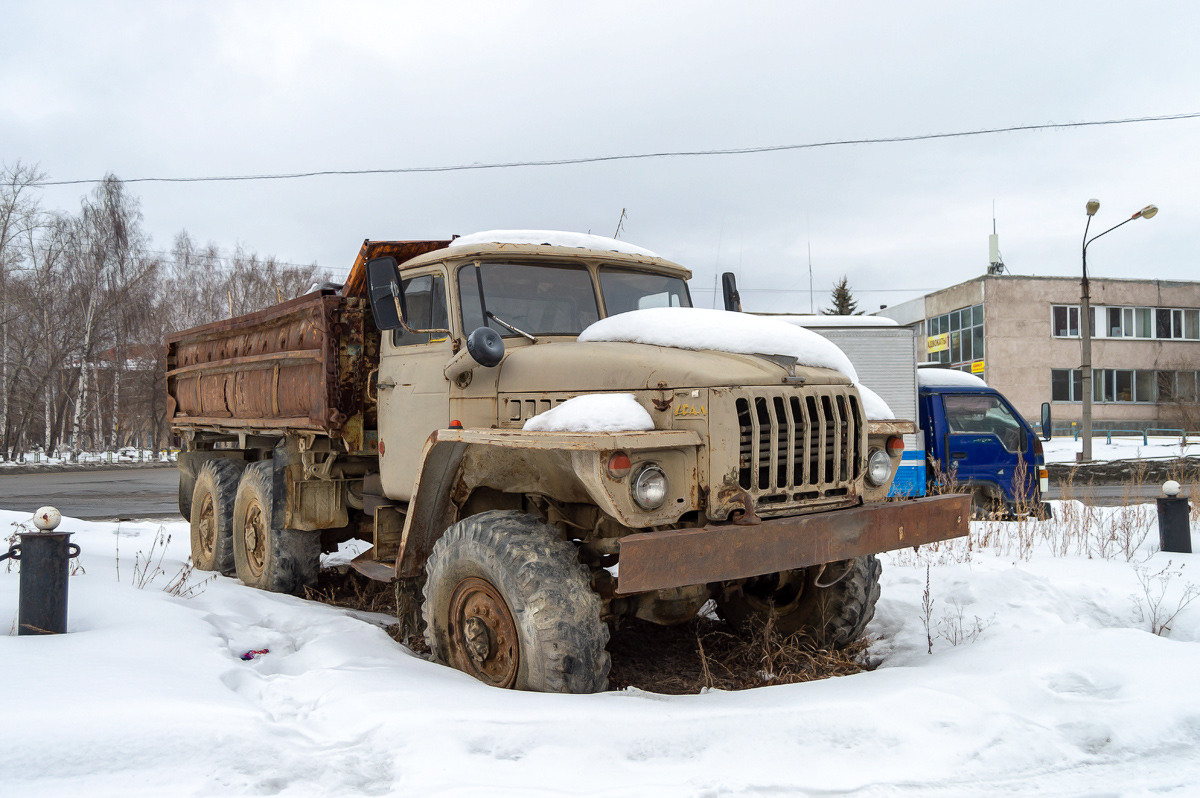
(631, 290)
(538, 299)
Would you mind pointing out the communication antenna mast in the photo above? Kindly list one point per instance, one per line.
(995, 261)
(808, 228)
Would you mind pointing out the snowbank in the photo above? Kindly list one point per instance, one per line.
(1064, 691)
(740, 333)
(947, 378)
(814, 320)
(594, 412)
(553, 238)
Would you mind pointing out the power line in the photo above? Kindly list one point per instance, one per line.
(805, 290)
(635, 156)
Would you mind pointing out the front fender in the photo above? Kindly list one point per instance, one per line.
(564, 466)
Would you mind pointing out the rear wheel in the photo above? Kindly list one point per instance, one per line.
(832, 606)
(507, 601)
(211, 507)
(266, 556)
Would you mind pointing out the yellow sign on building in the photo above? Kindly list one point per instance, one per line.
(977, 367)
(937, 343)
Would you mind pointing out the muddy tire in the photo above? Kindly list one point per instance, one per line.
(211, 505)
(265, 556)
(833, 616)
(508, 602)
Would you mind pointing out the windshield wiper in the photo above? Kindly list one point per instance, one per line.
(499, 320)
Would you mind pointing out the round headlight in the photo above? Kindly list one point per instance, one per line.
(879, 467)
(650, 487)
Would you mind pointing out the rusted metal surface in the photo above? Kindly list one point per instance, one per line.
(891, 427)
(356, 283)
(298, 366)
(673, 558)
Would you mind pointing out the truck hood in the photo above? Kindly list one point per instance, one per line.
(578, 367)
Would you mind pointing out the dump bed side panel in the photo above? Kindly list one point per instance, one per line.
(297, 366)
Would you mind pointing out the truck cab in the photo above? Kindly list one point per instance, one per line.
(975, 438)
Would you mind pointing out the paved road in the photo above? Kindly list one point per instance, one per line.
(153, 492)
(99, 494)
(1111, 495)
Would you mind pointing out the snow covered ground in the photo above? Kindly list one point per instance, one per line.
(1055, 686)
(1062, 450)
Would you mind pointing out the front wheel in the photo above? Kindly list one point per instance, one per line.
(508, 602)
(832, 605)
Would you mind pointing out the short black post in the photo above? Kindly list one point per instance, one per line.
(45, 558)
(45, 563)
(1174, 530)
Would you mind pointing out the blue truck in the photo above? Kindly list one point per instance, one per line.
(969, 434)
(975, 438)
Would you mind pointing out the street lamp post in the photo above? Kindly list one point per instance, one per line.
(1085, 331)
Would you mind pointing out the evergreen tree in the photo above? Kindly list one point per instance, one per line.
(843, 301)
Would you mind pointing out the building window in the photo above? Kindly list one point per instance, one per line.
(955, 339)
(1166, 324)
(1125, 385)
(1066, 321)
(1178, 386)
(1066, 385)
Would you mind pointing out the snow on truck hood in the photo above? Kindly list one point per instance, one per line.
(551, 238)
(738, 333)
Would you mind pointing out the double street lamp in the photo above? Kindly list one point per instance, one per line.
(1085, 359)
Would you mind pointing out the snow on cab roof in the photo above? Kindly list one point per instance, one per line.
(739, 333)
(947, 378)
(806, 320)
(552, 238)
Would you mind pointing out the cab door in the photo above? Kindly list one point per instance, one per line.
(985, 442)
(412, 387)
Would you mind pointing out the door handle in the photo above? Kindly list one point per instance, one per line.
(385, 385)
(955, 455)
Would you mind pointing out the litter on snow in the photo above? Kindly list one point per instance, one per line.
(738, 333)
(594, 412)
(552, 238)
(947, 378)
(249, 655)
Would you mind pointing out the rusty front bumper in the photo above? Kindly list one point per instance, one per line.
(678, 557)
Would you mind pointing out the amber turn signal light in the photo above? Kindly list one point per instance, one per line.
(619, 465)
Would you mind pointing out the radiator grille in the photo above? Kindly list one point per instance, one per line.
(798, 445)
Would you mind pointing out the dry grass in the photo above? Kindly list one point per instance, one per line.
(673, 660)
(706, 653)
(353, 590)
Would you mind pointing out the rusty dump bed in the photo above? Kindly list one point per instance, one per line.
(299, 366)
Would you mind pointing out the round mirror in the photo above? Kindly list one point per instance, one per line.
(485, 346)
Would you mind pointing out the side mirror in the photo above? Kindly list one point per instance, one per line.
(385, 294)
(1047, 424)
(733, 300)
(485, 346)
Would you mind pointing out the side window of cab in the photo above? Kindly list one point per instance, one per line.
(425, 298)
(983, 414)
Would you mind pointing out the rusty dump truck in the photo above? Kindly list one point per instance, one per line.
(392, 409)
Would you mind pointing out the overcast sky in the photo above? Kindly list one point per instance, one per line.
(174, 89)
